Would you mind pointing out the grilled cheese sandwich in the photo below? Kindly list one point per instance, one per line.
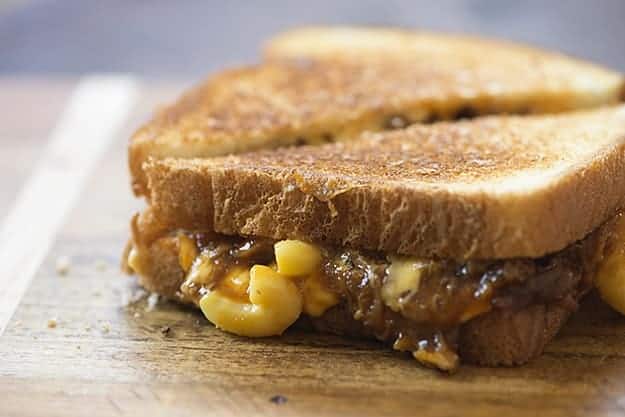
(346, 203)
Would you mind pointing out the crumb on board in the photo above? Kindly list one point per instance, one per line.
(165, 330)
(132, 297)
(106, 327)
(278, 399)
(88, 328)
(136, 315)
(100, 265)
(63, 264)
(152, 302)
(52, 323)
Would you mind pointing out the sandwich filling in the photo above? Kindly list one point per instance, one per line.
(259, 287)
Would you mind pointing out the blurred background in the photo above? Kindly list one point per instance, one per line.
(186, 39)
(47, 45)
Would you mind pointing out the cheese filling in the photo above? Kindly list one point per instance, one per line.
(610, 279)
(261, 300)
(257, 287)
(265, 299)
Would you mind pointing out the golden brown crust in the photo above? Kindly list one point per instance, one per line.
(163, 276)
(376, 43)
(497, 187)
(156, 255)
(335, 96)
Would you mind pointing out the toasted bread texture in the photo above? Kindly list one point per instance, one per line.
(327, 85)
(498, 338)
(493, 187)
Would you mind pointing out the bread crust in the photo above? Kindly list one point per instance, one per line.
(334, 95)
(509, 338)
(540, 183)
(498, 338)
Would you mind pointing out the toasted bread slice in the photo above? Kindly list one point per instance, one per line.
(336, 94)
(493, 187)
(467, 52)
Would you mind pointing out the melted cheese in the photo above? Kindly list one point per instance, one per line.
(265, 299)
(404, 277)
(610, 279)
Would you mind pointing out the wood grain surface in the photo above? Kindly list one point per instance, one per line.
(114, 352)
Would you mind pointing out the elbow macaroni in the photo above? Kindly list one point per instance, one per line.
(265, 300)
(317, 299)
(610, 279)
(274, 304)
(296, 259)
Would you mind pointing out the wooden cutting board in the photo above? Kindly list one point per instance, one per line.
(90, 342)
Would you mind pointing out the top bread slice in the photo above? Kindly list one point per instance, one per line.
(326, 85)
(492, 187)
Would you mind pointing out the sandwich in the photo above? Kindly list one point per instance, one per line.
(471, 240)
(290, 192)
(331, 84)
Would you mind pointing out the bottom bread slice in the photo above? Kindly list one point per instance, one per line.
(498, 338)
(526, 316)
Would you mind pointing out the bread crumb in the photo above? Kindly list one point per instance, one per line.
(106, 327)
(152, 301)
(165, 330)
(132, 297)
(88, 328)
(136, 315)
(100, 265)
(52, 323)
(63, 264)
(396, 122)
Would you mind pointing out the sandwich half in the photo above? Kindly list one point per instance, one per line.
(323, 85)
(471, 240)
